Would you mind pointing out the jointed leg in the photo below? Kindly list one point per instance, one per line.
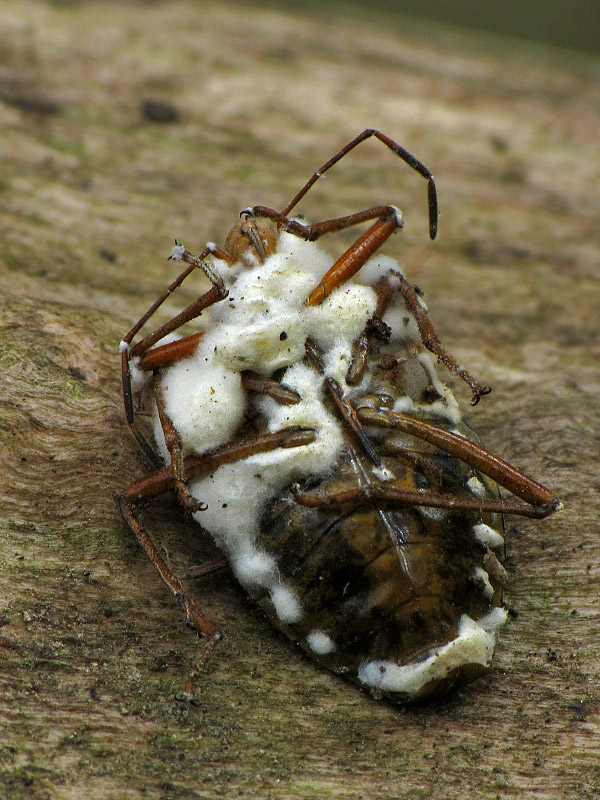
(315, 230)
(206, 629)
(473, 454)
(344, 406)
(139, 492)
(199, 262)
(431, 340)
(395, 148)
(261, 384)
(216, 293)
(376, 327)
(392, 496)
(388, 219)
(173, 443)
(540, 501)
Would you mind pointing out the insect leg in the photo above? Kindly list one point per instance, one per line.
(218, 292)
(261, 384)
(207, 631)
(431, 340)
(344, 406)
(213, 295)
(375, 328)
(397, 497)
(395, 148)
(162, 480)
(131, 500)
(388, 219)
(165, 354)
(542, 500)
(173, 443)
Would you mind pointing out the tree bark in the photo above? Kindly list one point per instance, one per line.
(96, 183)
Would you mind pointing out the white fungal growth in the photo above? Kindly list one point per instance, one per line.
(287, 604)
(383, 473)
(177, 253)
(139, 377)
(377, 267)
(447, 406)
(476, 487)
(263, 327)
(474, 645)
(487, 536)
(399, 217)
(320, 643)
(195, 400)
(483, 579)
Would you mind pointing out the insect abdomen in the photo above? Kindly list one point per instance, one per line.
(383, 591)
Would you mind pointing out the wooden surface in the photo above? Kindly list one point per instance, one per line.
(92, 648)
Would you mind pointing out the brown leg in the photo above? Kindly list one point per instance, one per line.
(375, 328)
(173, 443)
(199, 262)
(165, 354)
(204, 569)
(261, 384)
(396, 497)
(388, 219)
(216, 293)
(431, 341)
(139, 492)
(542, 501)
(344, 406)
(395, 148)
(207, 630)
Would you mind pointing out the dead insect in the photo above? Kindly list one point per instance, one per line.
(307, 429)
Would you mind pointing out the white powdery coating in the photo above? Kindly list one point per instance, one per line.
(256, 569)
(377, 267)
(487, 536)
(342, 316)
(287, 605)
(139, 377)
(320, 643)
(482, 577)
(263, 326)
(383, 473)
(404, 404)
(476, 487)
(473, 645)
(205, 405)
(177, 252)
(447, 407)
(235, 494)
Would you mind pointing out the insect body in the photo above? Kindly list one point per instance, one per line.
(307, 429)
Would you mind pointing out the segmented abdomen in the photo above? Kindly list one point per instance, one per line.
(381, 588)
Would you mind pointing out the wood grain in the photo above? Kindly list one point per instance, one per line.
(93, 191)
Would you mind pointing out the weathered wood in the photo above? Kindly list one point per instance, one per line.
(92, 648)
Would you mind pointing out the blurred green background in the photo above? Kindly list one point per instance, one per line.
(574, 25)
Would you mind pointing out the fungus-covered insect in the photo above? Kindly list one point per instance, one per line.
(307, 429)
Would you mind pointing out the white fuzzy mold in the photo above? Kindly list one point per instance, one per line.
(263, 326)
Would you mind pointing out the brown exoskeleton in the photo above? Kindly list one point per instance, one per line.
(308, 430)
